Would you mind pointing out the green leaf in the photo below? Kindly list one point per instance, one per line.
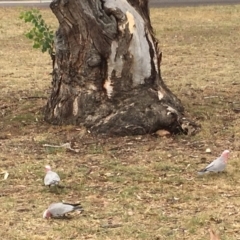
(41, 34)
(29, 35)
(36, 45)
(42, 29)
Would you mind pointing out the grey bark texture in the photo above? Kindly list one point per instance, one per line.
(106, 74)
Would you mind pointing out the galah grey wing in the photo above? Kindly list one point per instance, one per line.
(51, 178)
(59, 209)
(216, 166)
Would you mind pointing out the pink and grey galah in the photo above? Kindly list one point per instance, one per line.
(51, 178)
(218, 165)
(56, 210)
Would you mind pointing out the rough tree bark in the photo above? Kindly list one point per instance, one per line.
(106, 74)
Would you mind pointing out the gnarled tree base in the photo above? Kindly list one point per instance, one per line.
(135, 113)
(106, 74)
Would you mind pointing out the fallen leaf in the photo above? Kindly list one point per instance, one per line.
(130, 213)
(6, 175)
(23, 210)
(213, 235)
(108, 174)
(162, 133)
(208, 150)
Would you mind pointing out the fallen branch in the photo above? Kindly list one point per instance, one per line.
(65, 145)
(33, 97)
(211, 97)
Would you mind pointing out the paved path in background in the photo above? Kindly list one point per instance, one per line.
(178, 3)
(152, 3)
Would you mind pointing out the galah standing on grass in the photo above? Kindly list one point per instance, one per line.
(218, 165)
(60, 209)
(51, 178)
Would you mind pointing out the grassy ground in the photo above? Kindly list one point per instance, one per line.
(130, 187)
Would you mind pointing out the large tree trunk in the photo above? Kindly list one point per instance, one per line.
(106, 74)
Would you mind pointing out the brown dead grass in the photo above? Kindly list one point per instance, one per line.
(132, 187)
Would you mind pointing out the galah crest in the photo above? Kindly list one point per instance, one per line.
(218, 165)
(51, 178)
(56, 210)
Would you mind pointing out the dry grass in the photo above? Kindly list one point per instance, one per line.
(146, 187)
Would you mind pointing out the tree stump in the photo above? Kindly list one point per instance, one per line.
(106, 73)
